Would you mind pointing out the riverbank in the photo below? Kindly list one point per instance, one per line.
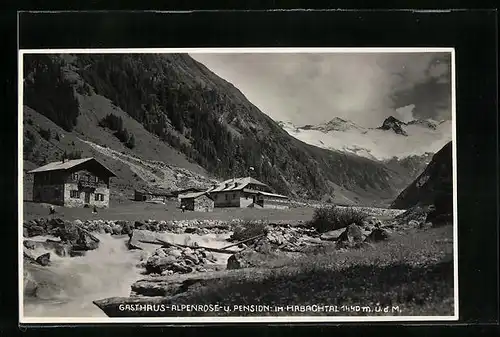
(413, 273)
(393, 258)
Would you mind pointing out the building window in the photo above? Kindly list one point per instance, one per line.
(75, 176)
(74, 194)
(99, 197)
(227, 197)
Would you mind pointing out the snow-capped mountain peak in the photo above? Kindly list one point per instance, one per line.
(393, 138)
(336, 124)
(394, 124)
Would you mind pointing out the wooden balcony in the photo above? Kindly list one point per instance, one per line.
(87, 184)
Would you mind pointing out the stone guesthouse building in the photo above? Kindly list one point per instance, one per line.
(198, 201)
(246, 192)
(73, 183)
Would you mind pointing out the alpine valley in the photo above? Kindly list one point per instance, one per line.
(166, 120)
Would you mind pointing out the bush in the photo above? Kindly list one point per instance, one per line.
(45, 134)
(112, 122)
(331, 218)
(247, 230)
(131, 142)
(29, 142)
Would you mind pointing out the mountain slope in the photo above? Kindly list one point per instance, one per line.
(392, 139)
(135, 168)
(173, 102)
(433, 186)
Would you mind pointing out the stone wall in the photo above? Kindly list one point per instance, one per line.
(203, 204)
(80, 202)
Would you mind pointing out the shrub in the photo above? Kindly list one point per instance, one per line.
(29, 142)
(247, 230)
(112, 122)
(130, 142)
(331, 217)
(45, 133)
(29, 121)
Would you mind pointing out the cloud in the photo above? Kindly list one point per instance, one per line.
(405, 114)
(307, 88)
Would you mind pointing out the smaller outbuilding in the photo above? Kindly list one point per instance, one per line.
(152, 194)
(198, 201)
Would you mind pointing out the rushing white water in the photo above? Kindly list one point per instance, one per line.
(68, 286)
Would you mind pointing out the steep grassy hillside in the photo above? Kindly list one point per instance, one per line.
(181, 113)
(139, 167)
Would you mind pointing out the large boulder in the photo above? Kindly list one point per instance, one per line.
(85, 242)
(332, 235)
(352, 233)
(59, 248)
(33, 228)
(157, 264)
(126, 227)
(139, 235)
(44, 259)
(378, 234)
(245, 259)
(65, 230)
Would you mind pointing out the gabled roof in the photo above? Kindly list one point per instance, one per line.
(265, 193)
(192, 195)
(235, 184)
(68, 164)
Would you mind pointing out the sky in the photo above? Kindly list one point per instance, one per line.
(312, 88)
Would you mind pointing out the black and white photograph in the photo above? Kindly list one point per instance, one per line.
(237, 185)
